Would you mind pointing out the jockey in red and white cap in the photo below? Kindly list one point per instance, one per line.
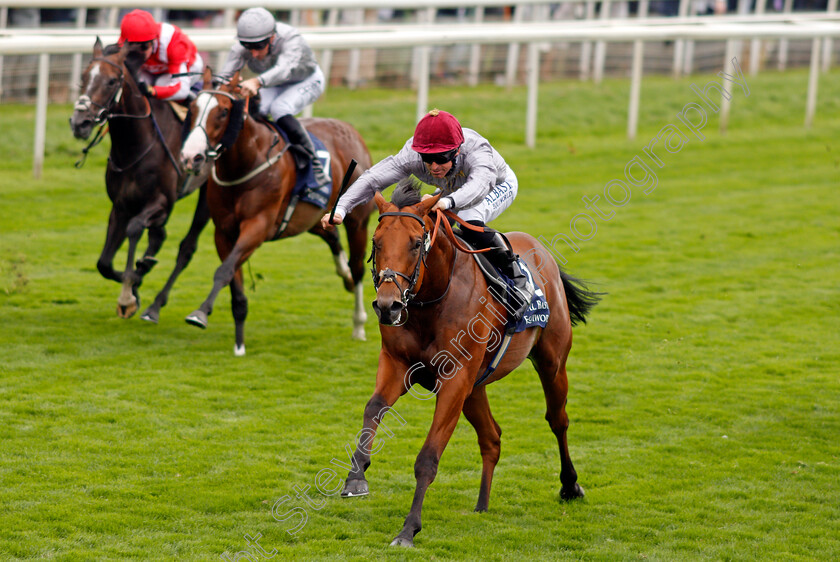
(476, 183)
(172, 64)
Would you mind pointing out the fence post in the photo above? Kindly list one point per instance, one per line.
(636, 77)
(76, 66)
(828, 42)
(533, 85)
(513, 50)
(601, 46)
(756, 44)
(41, 114)
(679, 44)
(4, 19)
(586, 46)
(783, 43)
(813, 77)
(475, 51)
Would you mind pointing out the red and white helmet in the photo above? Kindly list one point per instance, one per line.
(438, 131)
(139, 26)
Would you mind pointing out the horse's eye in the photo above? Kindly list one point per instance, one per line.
(223, 113)
(112, 82)
(417, 244)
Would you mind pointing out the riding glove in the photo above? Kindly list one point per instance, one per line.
(146, 90)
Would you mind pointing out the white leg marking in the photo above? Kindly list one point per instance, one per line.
(360, 314)
(239, 351)
(341, 267)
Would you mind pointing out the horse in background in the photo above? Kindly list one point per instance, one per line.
(143, 178)
(446, 343)
(250, 194)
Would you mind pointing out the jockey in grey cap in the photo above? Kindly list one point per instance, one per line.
(288, 77)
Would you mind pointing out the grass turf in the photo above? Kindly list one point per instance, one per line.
(704, 389)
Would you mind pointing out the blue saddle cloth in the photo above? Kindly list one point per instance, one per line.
(537, 313)
(306, 188)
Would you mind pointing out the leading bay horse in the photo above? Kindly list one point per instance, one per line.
(440, 326)
(142, 177)
(250, 189)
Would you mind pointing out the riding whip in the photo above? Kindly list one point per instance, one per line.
(350, 169)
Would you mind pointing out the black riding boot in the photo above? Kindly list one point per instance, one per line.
(298, 136)
(503, 257)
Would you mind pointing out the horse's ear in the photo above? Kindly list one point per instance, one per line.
(97, 48)
(425, 206)
(208, 78)
(234, 81)
(380, 202)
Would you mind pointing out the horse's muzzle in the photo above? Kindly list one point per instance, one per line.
(81, 124)
(390, 311)
(193, 165)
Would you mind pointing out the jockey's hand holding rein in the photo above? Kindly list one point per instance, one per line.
(337, 220)
(250, 87)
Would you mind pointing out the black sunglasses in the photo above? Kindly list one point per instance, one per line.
(439, 157)
(257, 46)
(140, 45)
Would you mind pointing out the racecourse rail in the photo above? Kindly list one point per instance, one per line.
(638, 31)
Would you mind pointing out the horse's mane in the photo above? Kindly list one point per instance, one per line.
(407, 192)
(237, 120)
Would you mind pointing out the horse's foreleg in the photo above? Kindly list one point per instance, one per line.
(185, 253)
(450, 402)
(389, 387)
(477, 412)
(113, 240)
(239, 307)
(153, 215)
(233, 256)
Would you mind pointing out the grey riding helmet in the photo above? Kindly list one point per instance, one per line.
(255, 24)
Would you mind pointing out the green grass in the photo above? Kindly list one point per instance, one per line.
(704, 401)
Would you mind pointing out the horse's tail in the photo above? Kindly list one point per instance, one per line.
(581, 300)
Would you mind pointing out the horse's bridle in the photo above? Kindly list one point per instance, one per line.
(214, 152)
(388, 275)
(104, 114)
(84, 102)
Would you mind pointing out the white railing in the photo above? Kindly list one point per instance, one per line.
(530, 34)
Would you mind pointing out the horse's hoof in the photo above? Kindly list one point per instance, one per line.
(355, 489)
(238, 350)
(150, 316)
(359, 334)
(126, 310)
(399, 541)
(197, 318)
(574, 493)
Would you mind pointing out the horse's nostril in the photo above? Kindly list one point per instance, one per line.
(397, 306)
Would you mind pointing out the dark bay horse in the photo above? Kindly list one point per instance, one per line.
(250, 190)
(439, 325)
(142, 178)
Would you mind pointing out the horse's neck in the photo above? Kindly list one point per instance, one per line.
(252, 147)
(440, 260)
(131, 129)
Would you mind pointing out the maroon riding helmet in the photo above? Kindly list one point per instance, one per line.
(437, 132)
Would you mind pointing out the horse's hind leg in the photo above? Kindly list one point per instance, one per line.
(185, 253)
(333, 240)
(113, 240)
(477, 412)
(356, 225)
(550, 362)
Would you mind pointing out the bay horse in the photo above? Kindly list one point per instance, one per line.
(250, 190)
(142, 178)
(439, 326)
